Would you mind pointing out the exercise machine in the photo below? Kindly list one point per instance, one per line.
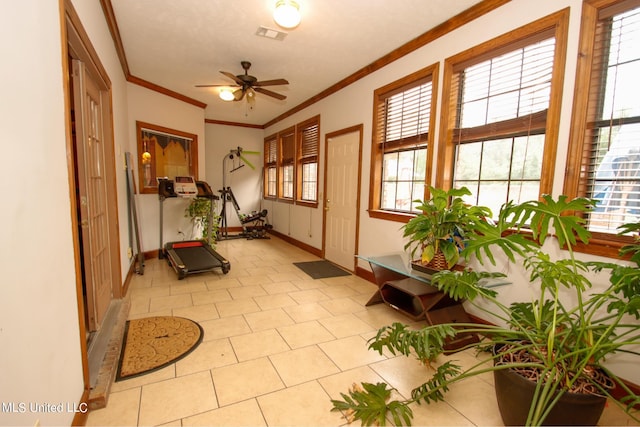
(189, 256)
(254, 225)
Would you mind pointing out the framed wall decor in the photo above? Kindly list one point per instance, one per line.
(164, 153)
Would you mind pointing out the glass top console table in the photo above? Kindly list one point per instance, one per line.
(410, 292)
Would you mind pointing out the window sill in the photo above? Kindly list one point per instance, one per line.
(390, 216)
(307, 203)
(600, 244)
(604, 245)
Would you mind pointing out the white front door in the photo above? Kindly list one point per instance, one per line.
(341, 200)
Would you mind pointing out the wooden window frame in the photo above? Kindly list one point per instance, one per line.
(269, 164)
(557, 24)
(377, 152)
(284, 136)
(301, 161)
(148, 154)
(601, 244)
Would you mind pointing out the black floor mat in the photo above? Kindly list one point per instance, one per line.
(321, 269)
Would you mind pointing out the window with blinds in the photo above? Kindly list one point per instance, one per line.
(502, 103)
(402, 122)
(286, 163)
(270, 167)
(611, 145)
(308, 146)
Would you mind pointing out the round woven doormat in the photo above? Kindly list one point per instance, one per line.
(152, 343)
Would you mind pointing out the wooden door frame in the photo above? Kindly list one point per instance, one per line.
(352, 129)
(76, 43)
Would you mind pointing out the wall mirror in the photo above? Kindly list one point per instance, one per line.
(164, 153)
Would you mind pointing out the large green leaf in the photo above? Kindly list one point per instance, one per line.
(632, 249)
(566, 272)
(461, 285)
(368, 403)
(558, 214)
(434, 389)
(425, 343)
(498, 235)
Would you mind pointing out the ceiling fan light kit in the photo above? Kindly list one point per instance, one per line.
(287, 14)
(247, 86)
(226, 95)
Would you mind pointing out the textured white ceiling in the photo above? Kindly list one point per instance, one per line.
(180, 43)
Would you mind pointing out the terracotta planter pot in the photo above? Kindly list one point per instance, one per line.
(514, 394)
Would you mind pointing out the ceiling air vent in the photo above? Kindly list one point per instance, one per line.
(271, 33)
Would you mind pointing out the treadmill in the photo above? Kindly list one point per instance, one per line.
(189, 256)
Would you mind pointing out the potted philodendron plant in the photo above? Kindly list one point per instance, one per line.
(436, 235)
(201, 212)
(555, 344)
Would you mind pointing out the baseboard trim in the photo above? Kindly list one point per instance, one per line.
(365, 274)
(315, 251)
(619, 393)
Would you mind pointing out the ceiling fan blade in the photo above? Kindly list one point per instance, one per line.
(230, 85)
(271, 82)
(270, 93)
(232, 77)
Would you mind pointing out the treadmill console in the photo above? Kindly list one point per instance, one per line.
(182, 187)
(185, 186)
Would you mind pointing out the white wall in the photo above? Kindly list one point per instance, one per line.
(155, 108)
(40, 359)
(245, 183)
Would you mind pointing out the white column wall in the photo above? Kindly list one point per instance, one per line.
(155, 108)
(40, 360)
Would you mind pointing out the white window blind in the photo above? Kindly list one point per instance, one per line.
(611, 154)
(286, 163)
(403, 120)
(270, 165)
(407, 114)
(502, 102)
(307, 167)
(309, 142)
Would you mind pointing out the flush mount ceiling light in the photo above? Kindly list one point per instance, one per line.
(226, 95)
(287, 13)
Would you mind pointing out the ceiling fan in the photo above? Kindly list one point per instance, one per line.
(249, 84)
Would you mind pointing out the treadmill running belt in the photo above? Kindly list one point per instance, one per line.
(197, 258)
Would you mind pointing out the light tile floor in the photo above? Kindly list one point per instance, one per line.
(277, 347)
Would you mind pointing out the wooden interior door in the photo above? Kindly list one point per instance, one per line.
(92, 194)
(342, 175)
